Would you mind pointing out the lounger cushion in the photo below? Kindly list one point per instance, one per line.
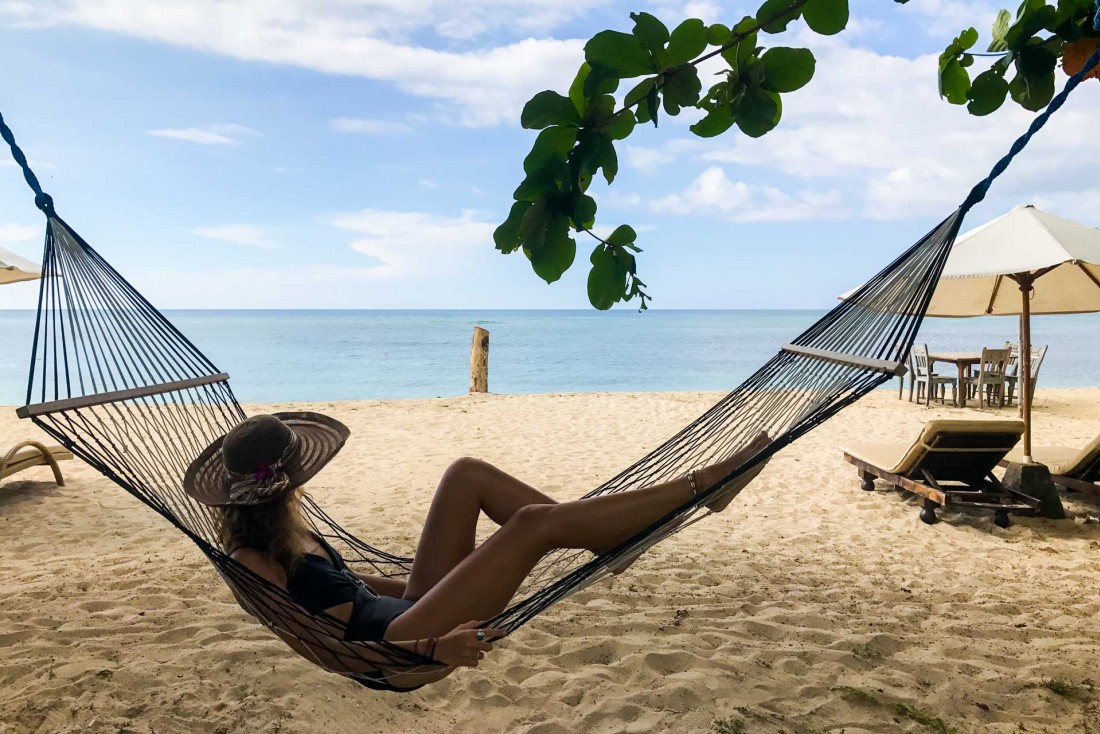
(29, 456)
(1062, 460)
(960, 436)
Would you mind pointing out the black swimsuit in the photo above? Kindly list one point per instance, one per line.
(319, 583)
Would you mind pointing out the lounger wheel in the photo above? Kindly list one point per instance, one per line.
(928, 513)
(1000, 519)
(867, 481)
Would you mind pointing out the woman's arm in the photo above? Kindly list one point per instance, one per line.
(384, 585)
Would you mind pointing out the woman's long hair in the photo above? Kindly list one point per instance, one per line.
(272, 528)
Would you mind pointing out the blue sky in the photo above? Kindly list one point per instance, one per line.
(359, 153)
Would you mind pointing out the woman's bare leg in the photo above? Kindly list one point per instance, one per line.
(483, 583)
(468, 488)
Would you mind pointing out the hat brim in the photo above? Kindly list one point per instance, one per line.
(320, 438)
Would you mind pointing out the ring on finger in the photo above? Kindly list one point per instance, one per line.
(480, 636)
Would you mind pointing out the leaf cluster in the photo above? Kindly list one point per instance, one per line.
(1028, 46)
(654, 70)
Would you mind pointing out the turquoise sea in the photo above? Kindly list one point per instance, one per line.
(334, 355)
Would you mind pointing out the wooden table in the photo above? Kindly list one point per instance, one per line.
(963, 361)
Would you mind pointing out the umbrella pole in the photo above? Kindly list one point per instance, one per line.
(1025, 281)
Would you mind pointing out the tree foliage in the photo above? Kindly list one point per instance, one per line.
(655, 72)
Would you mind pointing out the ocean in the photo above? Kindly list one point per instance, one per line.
(348, 355)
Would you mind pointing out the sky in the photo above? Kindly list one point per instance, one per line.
(359, 153)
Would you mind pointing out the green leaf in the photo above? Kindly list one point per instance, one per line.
(550, 149)
(954, 82)
(968, 38)
(624, 234)
(987, 93)
(717, 121)
(549, 108)
(787, 69)
(758, 112)
(557, 252)
(650, 31)
(639, 93)
(681, 88)
(535, 222)
(620, 53)
(605, 283)
(584, 212)
(608, 159)
(507, 236)
(776, 15)
(687, 41)
(1033, 86)
(719, 35)
(827, 17)
(619, 125)
(1000, 30)
(1032, 18)
(599, 82)
(651, 106)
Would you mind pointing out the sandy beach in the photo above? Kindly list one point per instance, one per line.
(808, 606)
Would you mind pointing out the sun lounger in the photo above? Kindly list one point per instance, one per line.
(1070, 467)
(31, 453)
(950, 463)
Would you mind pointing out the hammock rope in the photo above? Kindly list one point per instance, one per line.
(115, 382)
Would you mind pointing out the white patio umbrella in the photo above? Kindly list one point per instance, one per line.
(14, 269)
(1022, 263)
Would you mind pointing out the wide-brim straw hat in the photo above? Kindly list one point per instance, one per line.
(264, 457)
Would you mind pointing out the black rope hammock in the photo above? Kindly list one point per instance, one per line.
(115, 382)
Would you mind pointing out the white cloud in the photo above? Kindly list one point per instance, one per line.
(11, 233)
(371, 39)
(712, 192)
(412, 244)
(428, 183)
(646, 160)
(369, 127)
(222, 134)
(249, 235)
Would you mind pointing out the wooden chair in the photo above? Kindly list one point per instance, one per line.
(1012, 369)
(31, 453)
(1070, 467)
(923, 377)
(989, 384)
(950, 463)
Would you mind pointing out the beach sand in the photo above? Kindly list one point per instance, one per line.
(808, 606)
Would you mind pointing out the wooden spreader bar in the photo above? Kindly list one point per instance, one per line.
(854, 360)
(117, 396)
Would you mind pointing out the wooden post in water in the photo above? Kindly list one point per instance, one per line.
(479, 361)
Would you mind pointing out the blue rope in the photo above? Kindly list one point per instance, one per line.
(42, 200)
(978, 192)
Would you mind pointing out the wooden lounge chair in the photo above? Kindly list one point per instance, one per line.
(1072, 468)
(31, 453)
(950, 463)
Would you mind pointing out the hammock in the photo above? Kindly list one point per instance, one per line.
(114, 381)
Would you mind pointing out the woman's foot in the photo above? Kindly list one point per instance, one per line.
(721, 499)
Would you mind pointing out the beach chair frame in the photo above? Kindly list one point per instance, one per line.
(942, 478)
(11, 463)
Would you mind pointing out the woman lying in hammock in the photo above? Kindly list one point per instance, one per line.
(256, 472)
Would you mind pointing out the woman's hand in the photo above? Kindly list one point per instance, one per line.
(461, 648)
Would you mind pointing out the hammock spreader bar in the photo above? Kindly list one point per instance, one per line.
(115, 382)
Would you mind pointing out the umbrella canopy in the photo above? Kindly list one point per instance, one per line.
(14, 268)
(983, 273)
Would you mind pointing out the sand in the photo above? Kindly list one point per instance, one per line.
(808, 606)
